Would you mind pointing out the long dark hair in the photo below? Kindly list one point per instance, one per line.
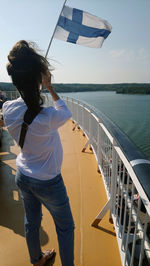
(26, 67)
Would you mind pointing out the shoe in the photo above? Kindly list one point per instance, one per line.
(47, 255)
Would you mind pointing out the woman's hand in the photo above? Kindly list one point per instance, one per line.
(46, 80)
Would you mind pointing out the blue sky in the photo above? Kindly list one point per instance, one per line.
(124, 56)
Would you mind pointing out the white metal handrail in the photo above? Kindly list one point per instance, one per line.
(128, 202)
(10, 95)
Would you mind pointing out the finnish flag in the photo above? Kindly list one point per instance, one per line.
(79, 27)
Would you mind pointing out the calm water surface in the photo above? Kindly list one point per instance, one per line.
(130, 112)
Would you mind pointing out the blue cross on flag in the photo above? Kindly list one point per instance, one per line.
(79, 27)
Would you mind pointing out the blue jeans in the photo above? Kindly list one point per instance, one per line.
(52, 194)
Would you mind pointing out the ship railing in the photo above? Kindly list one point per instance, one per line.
(11, 95)
(126, 176)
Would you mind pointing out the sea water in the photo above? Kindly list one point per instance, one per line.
(131, 113)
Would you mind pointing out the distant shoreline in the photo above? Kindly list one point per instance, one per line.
(123, 88)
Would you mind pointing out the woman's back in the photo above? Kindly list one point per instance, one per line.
(41, 156)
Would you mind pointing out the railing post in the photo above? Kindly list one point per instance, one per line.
(73, 113)
(89, 142)
(77, 112)
(83, 119)
(142, 241)
(99, 143)
(90, 128)
(113, 180)
(102, 213)
(67, 100)
(72, 107)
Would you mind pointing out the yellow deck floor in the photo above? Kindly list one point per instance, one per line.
(93, 246)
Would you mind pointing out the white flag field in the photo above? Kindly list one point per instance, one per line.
(79, 27)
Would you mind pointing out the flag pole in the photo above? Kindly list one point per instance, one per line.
(54, 30)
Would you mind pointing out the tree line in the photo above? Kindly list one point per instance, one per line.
(125, 88)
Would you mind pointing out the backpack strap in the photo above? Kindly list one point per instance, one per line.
(28, 118)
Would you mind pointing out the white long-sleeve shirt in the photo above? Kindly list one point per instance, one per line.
(41, 156)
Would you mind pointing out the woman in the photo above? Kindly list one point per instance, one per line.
(38, 173)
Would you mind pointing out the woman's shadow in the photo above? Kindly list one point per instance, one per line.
(12, 211)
